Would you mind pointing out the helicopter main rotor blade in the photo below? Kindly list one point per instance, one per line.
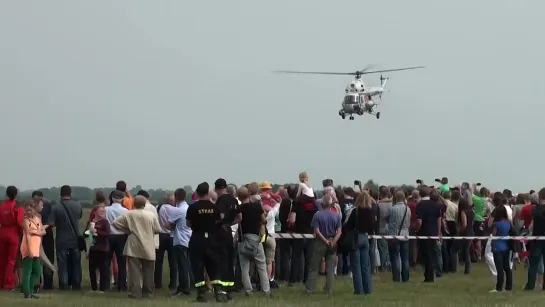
(363, 72)
(315, 72)
(367, 68)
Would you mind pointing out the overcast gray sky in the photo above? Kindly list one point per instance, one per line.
(168, 93)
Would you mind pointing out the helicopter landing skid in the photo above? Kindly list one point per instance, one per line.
(376, 114)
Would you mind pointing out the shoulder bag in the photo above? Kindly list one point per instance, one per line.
(248, 244)
(349, 238)
(402, 222)
(82, 245)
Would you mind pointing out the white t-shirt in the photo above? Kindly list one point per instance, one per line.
(305, 189)
(234, 228)
(509, 212)
(271, 215)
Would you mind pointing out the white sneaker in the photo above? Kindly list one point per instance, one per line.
(494, 291)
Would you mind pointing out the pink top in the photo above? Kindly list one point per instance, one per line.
(32, 237)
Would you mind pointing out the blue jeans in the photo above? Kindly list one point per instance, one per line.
(69, 268)
(360, 264)
(372, 248)
(438, 254)
(399, 258)
(537, 252)
(382, 246)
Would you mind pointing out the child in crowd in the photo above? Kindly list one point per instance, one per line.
(33, 231)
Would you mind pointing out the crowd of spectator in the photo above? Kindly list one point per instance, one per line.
(223, 241)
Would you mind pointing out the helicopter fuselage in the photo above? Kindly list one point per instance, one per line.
(358, 98)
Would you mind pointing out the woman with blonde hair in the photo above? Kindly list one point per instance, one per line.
(33, 230)
(362, 222)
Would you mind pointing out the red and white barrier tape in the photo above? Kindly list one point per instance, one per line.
(310, 236)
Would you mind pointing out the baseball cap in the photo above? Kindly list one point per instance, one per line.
(202, 189)
(220, 184)
(118, 194)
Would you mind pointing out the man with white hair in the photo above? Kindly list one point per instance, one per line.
(141, 227)
(117, 238)
(151, 209)
(166, 242)
(335, 207)
(327, 229)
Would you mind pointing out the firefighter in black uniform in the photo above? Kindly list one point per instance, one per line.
(227, 204)
(203, 217)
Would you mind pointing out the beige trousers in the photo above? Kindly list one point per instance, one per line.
(140, 277)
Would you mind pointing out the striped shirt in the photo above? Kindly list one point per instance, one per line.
(395, 218)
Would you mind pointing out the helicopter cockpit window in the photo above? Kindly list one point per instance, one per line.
(350, 99)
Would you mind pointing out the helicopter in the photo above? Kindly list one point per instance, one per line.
(358, 97)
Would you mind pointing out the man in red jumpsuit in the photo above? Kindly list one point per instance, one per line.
(11, 219)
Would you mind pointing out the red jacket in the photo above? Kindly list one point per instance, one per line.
(412, 205)
(11, 218)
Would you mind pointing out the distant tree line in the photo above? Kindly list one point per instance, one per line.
(86, 195)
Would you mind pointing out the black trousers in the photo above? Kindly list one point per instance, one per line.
(48, 243)
(165, 245)
(505, 274)
(117, 245)
(184, 271)
(286, 247)
(227, 264)
(98, 260)
(203, 256)
(277, 260)
(238, 271)
(427, 252)
(300, 259)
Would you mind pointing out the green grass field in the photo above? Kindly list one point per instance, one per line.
(450, 290)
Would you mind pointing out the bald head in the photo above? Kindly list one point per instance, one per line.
(415, 194)
(213, 195)
(139, 202)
